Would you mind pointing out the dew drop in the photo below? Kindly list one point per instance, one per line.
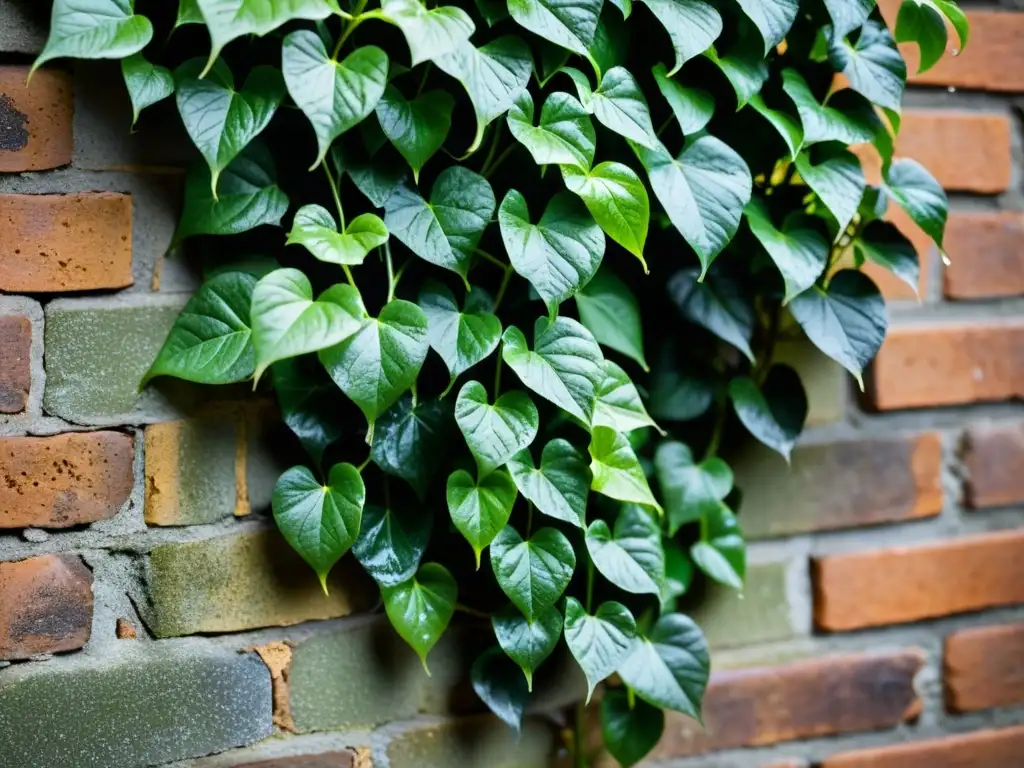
(955, 52)
(951, 89)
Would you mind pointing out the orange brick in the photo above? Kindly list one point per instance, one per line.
(994, 458)
(53, 243)
(45, 606)
(901, 584)
(57, 482)
(35, 119)
(983, 668)
(344, 759)
(983, 749)
(922, 366)
(15, 374)
(987, 251)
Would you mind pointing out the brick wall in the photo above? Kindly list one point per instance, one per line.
(150, 614)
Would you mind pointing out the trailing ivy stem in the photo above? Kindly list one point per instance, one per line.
(366, 461)
(348, 276)
(502, 288)
(350, 26)
(590, 580)
(471, 611)
(666, 124)
(579, 754)
(493, 259)
(716, 433)
(337, 198)
(400, 272)
(492, 150)
(391, 272)
(529, 518)
(497, 374)
(501, 159)
(423, 80)
(765, 363)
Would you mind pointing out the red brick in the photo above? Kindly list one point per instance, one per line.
(343, 759)
(54, 243)
(994, 457)
(921, 366)
(804, 699)
(57, 482)
(987, 254)
(35, 119)
(984, 749)
(983, 668)
(45, 606)
(901, 584)
(15, 373)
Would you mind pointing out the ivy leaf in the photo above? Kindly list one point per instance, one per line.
(620, 106)
(430, 33)
(743, 67)
(421, 608)
(447, 229)
(881, 242)
(599, 643)
(717, 304)
(314, 228)
(334, 95)
(918, 193)
(924, 22)
(558, 255)
(287, 322)
(493, 76)
(722, 555)
(377, 179)
(618, 404)
(848, 15)
(691, 491)
(391, 543)
(495, 433)
(678, 576)
(669, 668)
(461, 337)
(570, 26)
(188, 13)
(874, 66)
(480, 509)
(147, 83)
(786, 125)
(703, 191)
(501, 686)
(848, 117)
(836, 178)
(306, 397)
(631, 559)
(564, 136)
(533, 573)
(616, 469)
(559, 487)
(94, 29)
(527, 643)
(609, 310)
(617, 200)
(676, 393)
(773, 19)
(564, 366)
(409, 440)
(630, 731)
(419, 127)
(847, 322)
(320, 522)
(379, 362)
(692, 25)
(775, 412)
(693, 108)
(211, 340)
(798, 249)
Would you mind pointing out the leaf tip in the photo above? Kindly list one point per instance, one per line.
(859, 376)
(529, 680)
(322, 575)
(423, 661)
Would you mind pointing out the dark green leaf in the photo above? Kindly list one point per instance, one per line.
(691, 491)
(716, 304)
(501, 686)
(848, 15)
(786, 125)
(773, 19)
(95, 29)
(188, 13)
(421, 608)
(564, 136)
(528, 643)
(315, 229)
(147, 83)
(692, 107)
(599, 643)
(835, 176)
(620, 106)
(409, 440)
(617, 200)
(678, 576)
(922, 22)
(920, 195)
(376, 178)
(307, 398)
(570, 25)
(391, 542)
(559, 487)
(882, 243)
(798, 249)
(678, 394)
(744, 68)
(480, 509)
(417, 128)
(610, 311)
(430, 33)
(630, 732)
(631, 558)
(775, 412)
(495, 433)
(847, 116)
(692, 25)
(533, 573)
(874, 66)
(461, 337)
(722, 553)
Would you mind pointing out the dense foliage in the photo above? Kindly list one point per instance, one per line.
(509, 372)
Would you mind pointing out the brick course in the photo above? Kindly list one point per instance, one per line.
(15, 363)
(984, 748)
(994, 459)
(987, 254)
(983, 669)
(35, 120)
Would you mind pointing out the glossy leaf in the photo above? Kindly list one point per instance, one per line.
(315, 229)
(391, 543)
(882, 243)
(495, 433)
(848, 15)
(94, 29)
(559, 486)
(798, 249)
(847, 116)
(744, 68)
(722, 554)
(924, 22)
(421, 608)
(774, 412)
(617, 403)
(630, 731)
(692, 108)
(480, 510)
(462, 337)
(620, 106)
(873, 66)
(835, 176)
(616, 469)
(430, 32)
(631, 558)
(417, 128)
(773, 19)
(527, 643)
(564, 136)
(409, 440)
(692, 26)
(599, 643)
(306, 396)
(376, 178)
(609, 310)
(717, 304)
(570, 25)
(690, 491)
(918, 193)
(501, 686)
(678, 576)
(533, 573)
(786, 125)
(617, 200)
(147, 83)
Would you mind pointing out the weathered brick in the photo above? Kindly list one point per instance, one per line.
(45, 606)
(59, 243)
(65, 480)
(987, 254)
(926, 365)
(994, 458)
(478, 742)
(900, 584)
(338, 759)
(244, 581)
(824, 380)
(148, 706)
(35, 119)
(15, 362)
(23, 25)
(803, 699)
(905, 485)
(993, 748)
(982, 668)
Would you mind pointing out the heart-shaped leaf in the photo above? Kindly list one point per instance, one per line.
(417, 128)
(743, 66)
(678, 576)
(94, 29)
(786, 124)
(609, 310)
(559, 487)
(188, 13)
(320, 522)
(599, 643)
(421, 608)
(391, 542)
(693, 108)
(717, 304)
(631, 558)
(835, 175)
(691, 491)
(775, 412)
(799, 250)
(527, 643)
(617, 402)
(924, 22)
(630, 730)
(848, 117)
(616, 469)
(882, 243)
(722, 553)
(480, 509)
(533, 573)
(430, 33)
(918, 193)
(462, 337)
(570, 26)
(315, 229)
(495, 433)
(848, 15)
(874, 66)
(620, 106)
(501, 686)
(307, 398)
(692, 26)
(564, 136)
(376, 178)
(409, 440)
(146, 83)
(678, 390)
(773, 19)
(617, 200)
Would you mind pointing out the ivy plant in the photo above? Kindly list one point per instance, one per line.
(515, 273)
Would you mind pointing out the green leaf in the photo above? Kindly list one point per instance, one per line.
(188, 13)
(417, 128)
(703, 191)
(874, 66)
(836, 178)
(882, 243)
(94, 29)
(421, 608)
(922, 22)
(609, 310)
(619, 105)
(692, 107)
(501, 686)
(564, 366)
(314, 228)
(692, 25)
(409, 440)
(722, 554)
(847, 322)
(480, 509)
(630, 731)
(307, 398)
(848, 15)
(533, 573)
(617, 200)
(495, 433)
(430, 33)
(461, 337)
(616, 469)
(527, 643)
(287, 322)
(571, 25)
(147, 83)
(247, 196)
(786, 125)
(564, 136)
(558, 255)
(559, 487)
(669, 668)
(493, 11)
(918, 193)
(678, 576)
(211, 340)
(744, 68)
(447, 229)
(376, 178)
(847, 116)
(618, 404)
(380, 362)
(599, 643)
(320, 522)
(773, 19)
(775, 412)
(493, 76)
(334, 96)
(392, 542)
(798, 249)
(631, 559)
(717, 304)
(678, 393)
(691, 491)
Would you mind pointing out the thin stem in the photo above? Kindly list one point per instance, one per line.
(503, 287)
(348, 275)
(423, 80)
(493, 259)
(493, 149)
(501, 159)
(590, 581)
(336, 196)
(761, 370)
(529, 518)
(578, 735)
(716, 434)
(363, 466)
(666, 124)
(471, 611)
(391, 271)
(399, 273)
(497, 374)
